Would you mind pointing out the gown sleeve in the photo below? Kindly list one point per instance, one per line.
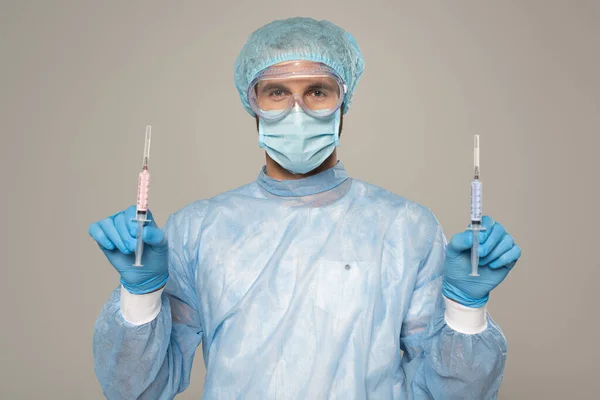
(150, 354)
(440, 362)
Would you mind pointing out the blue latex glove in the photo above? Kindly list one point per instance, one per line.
(116, 236)
(498, 255)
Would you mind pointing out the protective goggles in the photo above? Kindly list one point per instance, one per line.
(315, 87)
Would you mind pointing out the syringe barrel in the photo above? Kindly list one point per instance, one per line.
(143, 187)
(476, 201)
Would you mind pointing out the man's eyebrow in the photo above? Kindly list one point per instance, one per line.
(271, 85)
(322, 85)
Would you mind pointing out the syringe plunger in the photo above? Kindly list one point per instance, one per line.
(476, 156)
(146, 159)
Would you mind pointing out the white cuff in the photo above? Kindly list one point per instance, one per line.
(139, 309)
(465, 319)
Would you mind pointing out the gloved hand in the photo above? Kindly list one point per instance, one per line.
(498, 255)
(116, 236)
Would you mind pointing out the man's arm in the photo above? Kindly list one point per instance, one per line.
(450, 351)
(144, 345)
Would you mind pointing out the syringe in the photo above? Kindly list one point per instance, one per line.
(142, 199)
(476, 204)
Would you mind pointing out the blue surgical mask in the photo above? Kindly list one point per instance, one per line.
(299, 142)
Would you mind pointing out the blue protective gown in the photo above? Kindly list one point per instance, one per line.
(320, 288)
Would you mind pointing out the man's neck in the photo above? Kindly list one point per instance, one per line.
(277, 172)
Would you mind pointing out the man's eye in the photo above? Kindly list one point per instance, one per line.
(276, 93)
(318, 93)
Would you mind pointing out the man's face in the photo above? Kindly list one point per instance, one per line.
(298, 86)
(310, 85)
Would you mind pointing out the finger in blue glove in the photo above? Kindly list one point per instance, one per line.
(116, 236)
(499, 255)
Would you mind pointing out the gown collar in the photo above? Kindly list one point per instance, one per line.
(321, 182)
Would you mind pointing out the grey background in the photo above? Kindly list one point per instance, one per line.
(79, 80)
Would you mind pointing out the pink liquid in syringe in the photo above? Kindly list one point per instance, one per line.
(144, 177)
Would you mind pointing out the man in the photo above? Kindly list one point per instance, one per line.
(305, 284)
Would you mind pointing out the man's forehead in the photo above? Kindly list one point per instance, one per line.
(298, 81)
(297, 75)
(299, 67)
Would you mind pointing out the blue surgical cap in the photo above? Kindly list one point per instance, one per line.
(299, 39)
